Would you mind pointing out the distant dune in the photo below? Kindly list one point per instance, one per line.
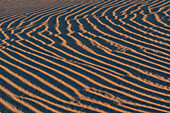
(84, 56)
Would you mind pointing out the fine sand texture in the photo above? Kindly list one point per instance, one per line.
(84, 56)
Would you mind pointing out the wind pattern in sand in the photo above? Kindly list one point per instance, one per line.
(91, 56)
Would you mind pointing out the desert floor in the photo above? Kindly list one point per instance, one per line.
(84, 56)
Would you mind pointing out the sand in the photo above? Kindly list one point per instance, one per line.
(84, 56)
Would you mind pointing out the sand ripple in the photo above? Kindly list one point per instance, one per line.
(91, 56)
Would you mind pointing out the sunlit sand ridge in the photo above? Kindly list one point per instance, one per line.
(85, 56)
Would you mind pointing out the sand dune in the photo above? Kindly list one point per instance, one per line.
(85, 56)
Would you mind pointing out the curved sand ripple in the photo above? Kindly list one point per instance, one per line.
(85, 56)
